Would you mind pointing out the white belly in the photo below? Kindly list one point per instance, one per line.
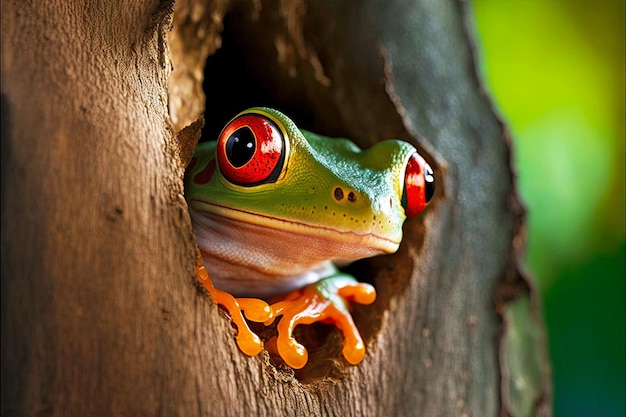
(252, 260)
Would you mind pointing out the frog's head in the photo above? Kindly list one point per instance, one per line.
(264, 171)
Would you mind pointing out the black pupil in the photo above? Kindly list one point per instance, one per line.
(240, 147)
(429, 180)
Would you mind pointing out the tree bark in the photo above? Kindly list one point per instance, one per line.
(101, 107)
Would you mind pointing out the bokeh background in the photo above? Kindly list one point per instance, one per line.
(555, 70)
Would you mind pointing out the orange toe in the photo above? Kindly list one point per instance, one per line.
(255, 310)
(361, 293)
(248, 342)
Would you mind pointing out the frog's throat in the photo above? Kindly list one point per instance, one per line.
(369, 239)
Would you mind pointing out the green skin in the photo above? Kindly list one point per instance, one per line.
(273, 238)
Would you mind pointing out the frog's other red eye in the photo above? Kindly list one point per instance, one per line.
(419, 185)
(250, 150)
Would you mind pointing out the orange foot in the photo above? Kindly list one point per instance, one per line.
(325, 301)
(254, 309)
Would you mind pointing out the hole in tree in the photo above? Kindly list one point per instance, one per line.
(231, 85)
(234, 80)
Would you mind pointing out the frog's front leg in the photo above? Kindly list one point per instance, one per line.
(254, 309)
(325, 301)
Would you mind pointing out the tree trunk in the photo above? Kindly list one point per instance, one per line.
(100, 311)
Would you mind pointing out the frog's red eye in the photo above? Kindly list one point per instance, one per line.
(419, 185)
(250, 150)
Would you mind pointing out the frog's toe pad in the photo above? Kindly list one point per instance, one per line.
(361, 293)
(354, 353)
(292, 352)
(249, 343)
(255, 310)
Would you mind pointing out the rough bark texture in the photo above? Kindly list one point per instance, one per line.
(100, 313)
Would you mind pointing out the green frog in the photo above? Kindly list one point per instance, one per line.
(276, 208)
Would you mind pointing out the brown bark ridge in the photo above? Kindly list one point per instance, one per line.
(101, 107)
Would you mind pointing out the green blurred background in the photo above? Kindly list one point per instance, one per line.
(555, 70)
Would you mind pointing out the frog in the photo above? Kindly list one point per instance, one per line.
(277, 211)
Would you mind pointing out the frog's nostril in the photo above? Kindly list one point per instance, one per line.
(339, 194)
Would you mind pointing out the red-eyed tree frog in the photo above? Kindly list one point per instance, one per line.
(274, 208)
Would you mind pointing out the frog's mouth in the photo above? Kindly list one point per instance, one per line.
(367, 241)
